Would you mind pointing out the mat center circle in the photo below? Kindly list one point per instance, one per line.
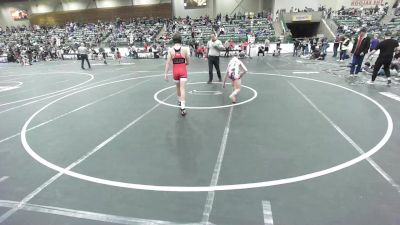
(197, 92)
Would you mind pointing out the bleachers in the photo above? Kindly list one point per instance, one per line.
(235, 29)
(394, 25)
(350, 20)
(53, 41)
(145, 29)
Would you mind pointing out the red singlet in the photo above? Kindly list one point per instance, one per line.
(179, 65)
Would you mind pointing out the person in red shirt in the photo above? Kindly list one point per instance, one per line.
(200, 51)
(244, 46)
(179, 56)
(231, 44)
(118, 56)
(145, 46)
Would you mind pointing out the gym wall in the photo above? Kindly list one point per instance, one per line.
(224, 7)
(51, 6)
(105, 14)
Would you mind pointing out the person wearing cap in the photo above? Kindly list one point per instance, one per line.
(386, 50)
(360, 48)
(83, 52)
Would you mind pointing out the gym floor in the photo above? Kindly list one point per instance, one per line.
(305, 145)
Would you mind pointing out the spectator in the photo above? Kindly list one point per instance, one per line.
(200, 51)
(374, 43)
(226, 45)
(231, 44)
(296, 46)
(344, 47)
(360, 48)
(261, 50)
(324, 45)
(267, 44)
(145, 46)
(134, 52)
(244, 46)
(104, 54)
(336, 45)
(118, 56)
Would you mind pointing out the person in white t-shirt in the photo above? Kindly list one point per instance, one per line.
(267, 44)
(214, 46)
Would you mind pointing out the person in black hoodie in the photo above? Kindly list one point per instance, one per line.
(387, 49)
(360, 48)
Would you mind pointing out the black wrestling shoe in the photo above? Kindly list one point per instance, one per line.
(183, 112)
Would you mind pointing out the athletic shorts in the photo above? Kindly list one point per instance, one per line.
(180, 77)
(233, 77)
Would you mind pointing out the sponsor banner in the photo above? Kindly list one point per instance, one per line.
(366, 3)
(301, 18)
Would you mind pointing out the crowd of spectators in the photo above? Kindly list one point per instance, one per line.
(25, 44)
(349, 20)
(343, 47)
(153, 34)
(136, 30)
(311, 48)
(233, 30)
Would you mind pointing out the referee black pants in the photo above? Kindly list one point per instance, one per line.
(386, 67)
(213, 61)
(83, 58)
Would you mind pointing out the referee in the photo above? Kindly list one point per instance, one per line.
(83, 52)
(214, 46)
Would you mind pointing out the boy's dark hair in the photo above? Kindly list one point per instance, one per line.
(177, 38)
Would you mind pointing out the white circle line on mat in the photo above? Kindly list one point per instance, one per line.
(255, 94)
(304, 177)
(55, 92)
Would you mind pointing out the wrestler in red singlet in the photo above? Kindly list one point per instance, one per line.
(179, 65)
(179, 56)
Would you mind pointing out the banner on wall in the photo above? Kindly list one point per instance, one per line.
(301, 18)
(194, 4)
(366, 3)
(19, 14)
